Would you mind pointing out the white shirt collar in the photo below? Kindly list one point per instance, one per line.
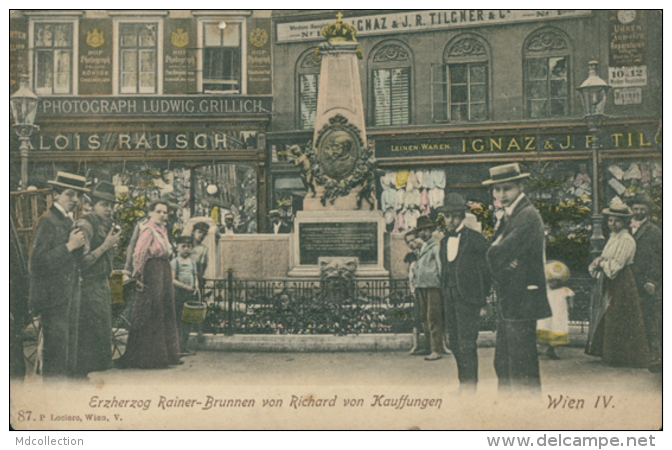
(61, 209)
(639, 224)
(509, 209)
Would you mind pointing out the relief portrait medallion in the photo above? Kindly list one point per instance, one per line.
(338, 153)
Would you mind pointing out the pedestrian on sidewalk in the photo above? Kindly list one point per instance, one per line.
(465, 283)
(617, 331)
(54, 276)
(414, 244)
(647, 269)
(152, 338)
(428, 288)
(516, 261)
(94, 345)
(185, 279)
(200, 254)
(554, 331)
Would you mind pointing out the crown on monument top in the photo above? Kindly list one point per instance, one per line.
(339, 31)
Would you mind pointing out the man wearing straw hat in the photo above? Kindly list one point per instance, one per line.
(465, 280)
(54, 282)
(428, 289)
(94, 345)
(516, 260)
(277, 226)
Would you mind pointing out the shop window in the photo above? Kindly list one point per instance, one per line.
(390, 71)
(546, 74)
(222, 57)
(53, 57)
(138, 58)
(624, 179)
(460, 86)
(308, 81)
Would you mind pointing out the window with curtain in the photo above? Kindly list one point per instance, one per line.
(53, 63)
(546, 75)
(460, 86)
(308, 78)
(222, 57)
(390, 68)
(138, 58)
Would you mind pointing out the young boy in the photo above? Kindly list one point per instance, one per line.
(428, 288)
(200, 255)
(185, 279)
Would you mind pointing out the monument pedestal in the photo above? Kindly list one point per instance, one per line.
(338, 233)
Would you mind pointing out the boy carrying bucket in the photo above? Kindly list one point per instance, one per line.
(185, 279)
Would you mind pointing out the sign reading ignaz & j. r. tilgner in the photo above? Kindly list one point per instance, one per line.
(183, 106)
(516, 143)
(404, 22)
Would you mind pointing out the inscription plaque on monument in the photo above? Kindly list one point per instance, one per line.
(338, 239)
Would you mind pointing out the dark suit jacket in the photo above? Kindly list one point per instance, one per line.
(284, 228)
(53, 274)
(648, 265)
(521, 291)
(471, 268)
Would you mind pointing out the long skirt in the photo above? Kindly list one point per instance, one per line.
(94, 339)
(152, 339)
(618, 333)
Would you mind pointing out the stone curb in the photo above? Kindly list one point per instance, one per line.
(331, 343)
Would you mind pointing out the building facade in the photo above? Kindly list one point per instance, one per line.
(450, 93)
(204, 105)
(159, 102)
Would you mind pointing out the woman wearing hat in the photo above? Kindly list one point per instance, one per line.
(94, 342)
(54, 277)
(617, 331)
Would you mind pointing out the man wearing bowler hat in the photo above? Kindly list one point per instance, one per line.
(94, 344)
(428, 289)
(54, 276)
(465, 282)
(648, 271)
(516, 260)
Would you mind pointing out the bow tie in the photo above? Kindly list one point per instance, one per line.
(452, 233)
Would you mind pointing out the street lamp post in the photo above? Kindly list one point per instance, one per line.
(594, 93)
(24, 108)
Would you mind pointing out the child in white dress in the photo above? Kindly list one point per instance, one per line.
(554, 330)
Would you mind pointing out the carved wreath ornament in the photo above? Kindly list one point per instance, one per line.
(338, 160)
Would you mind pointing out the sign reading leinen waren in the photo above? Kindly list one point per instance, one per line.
(338, 239)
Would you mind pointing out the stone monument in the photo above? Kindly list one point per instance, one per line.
(339, 217)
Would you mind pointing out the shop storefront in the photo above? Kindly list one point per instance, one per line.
(205, 154)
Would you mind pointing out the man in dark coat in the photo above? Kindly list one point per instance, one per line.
(516, 260)
(54, 277)
(276, 224)
(94, 344)
(465, 282)
(648, 271)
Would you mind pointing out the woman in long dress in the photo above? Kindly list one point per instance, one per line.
(152, 338)
(94, 340)
(617, 332)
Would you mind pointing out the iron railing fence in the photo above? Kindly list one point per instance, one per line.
(302, 306)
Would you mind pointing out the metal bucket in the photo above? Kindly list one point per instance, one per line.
(194, 312)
